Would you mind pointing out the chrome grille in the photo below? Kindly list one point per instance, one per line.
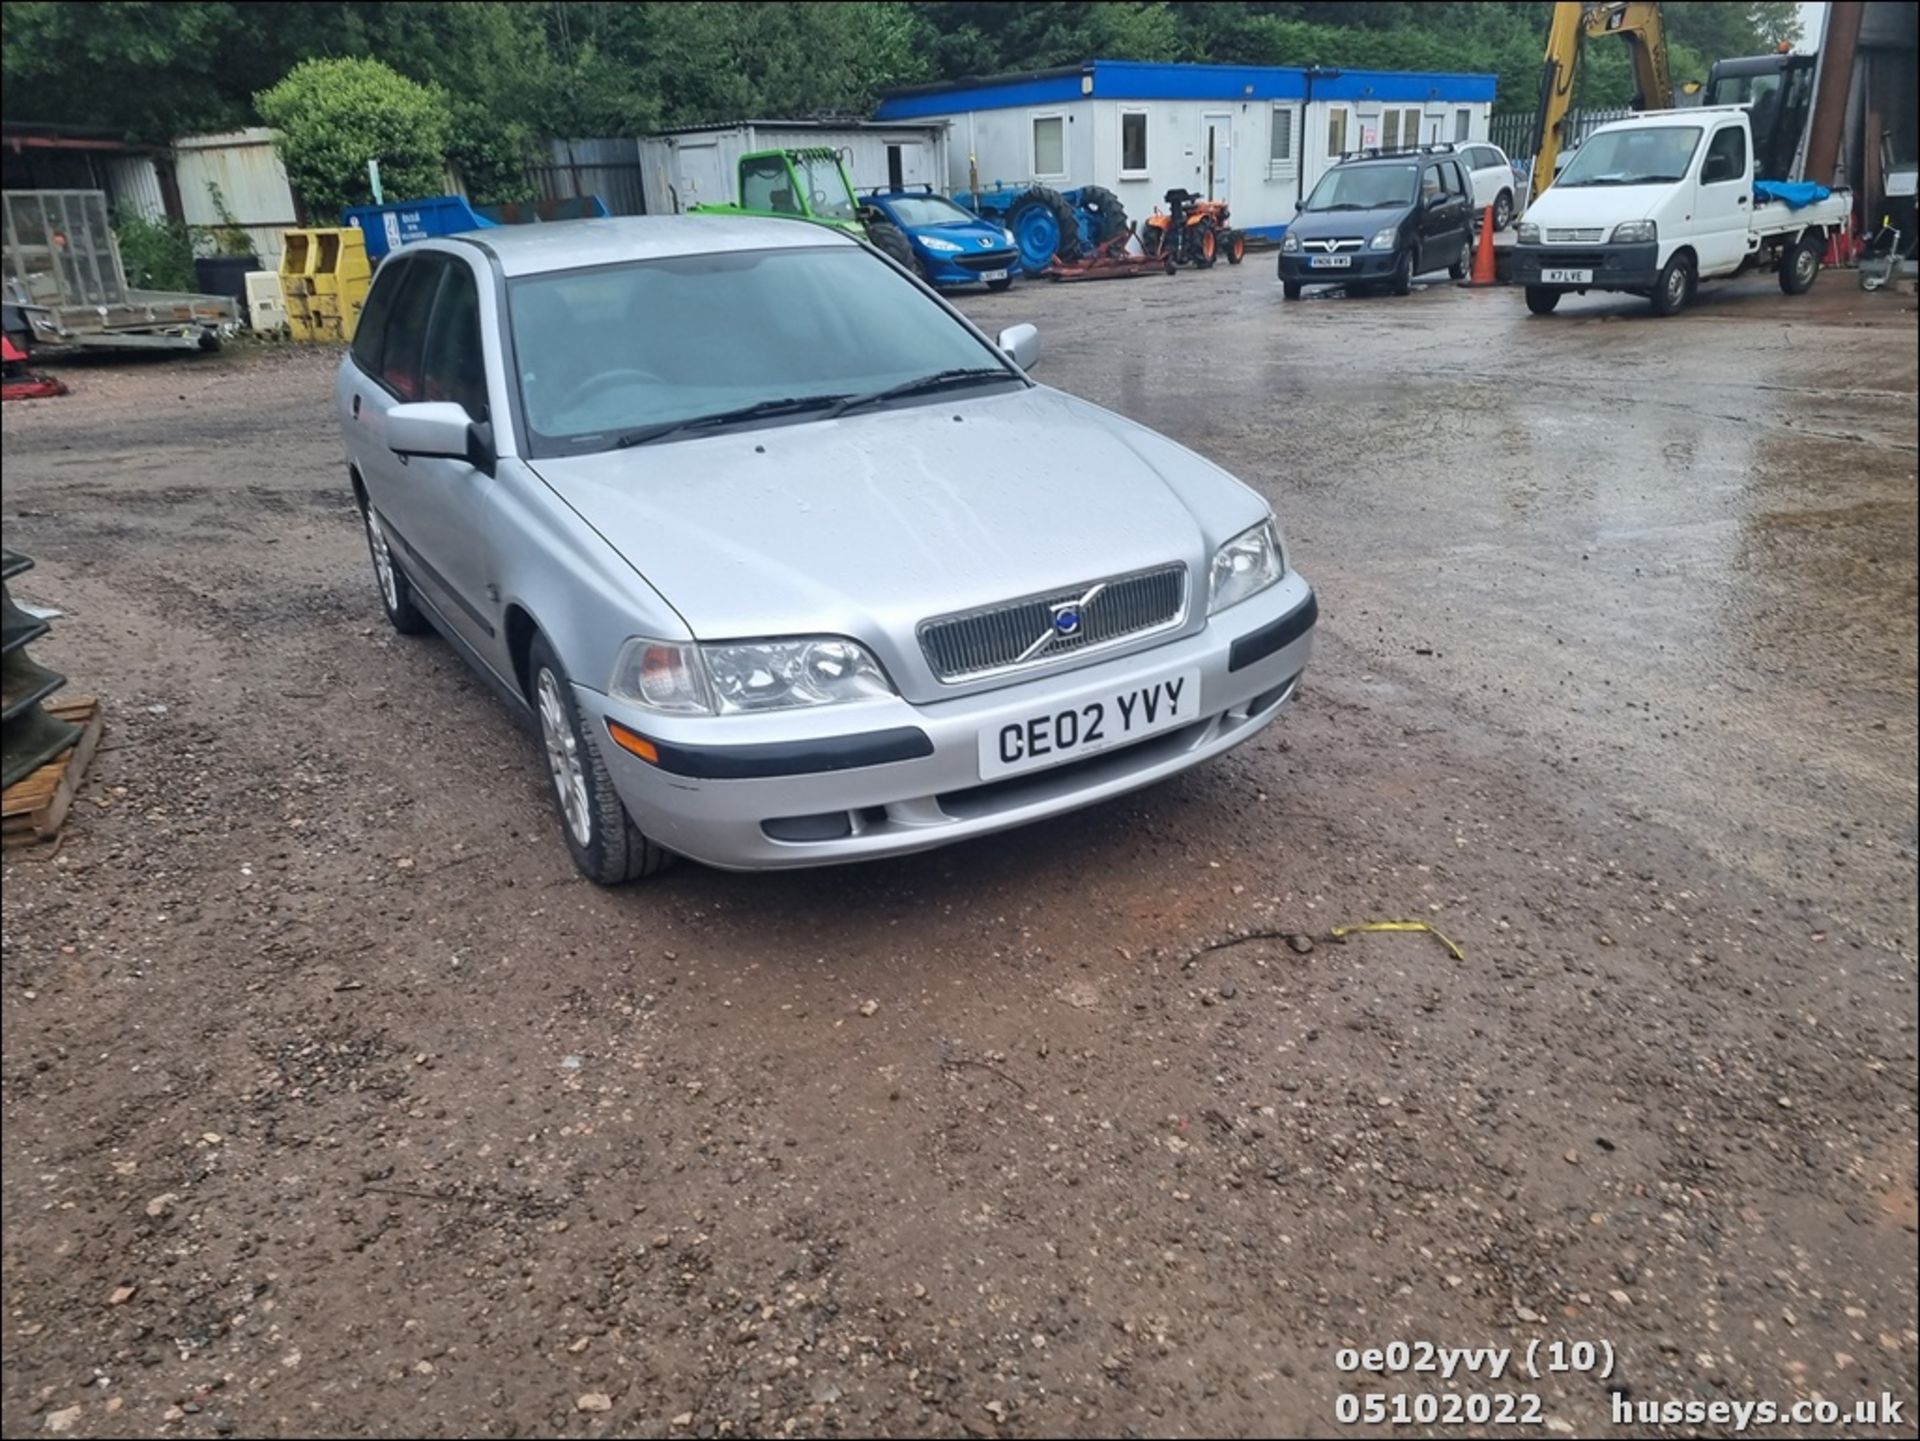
(1025, 632)
(1582, 236)
(1348, 242)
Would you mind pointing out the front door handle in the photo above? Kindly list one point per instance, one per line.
(1742, 200)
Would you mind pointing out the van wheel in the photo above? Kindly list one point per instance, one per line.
(1674, 288)
(1403, 273)
(1800, 265)
(1542, 299)
(606, 845)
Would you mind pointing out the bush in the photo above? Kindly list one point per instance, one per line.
(157, 254)
(335, 115)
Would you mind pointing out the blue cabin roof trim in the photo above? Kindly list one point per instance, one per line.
(1157, 80)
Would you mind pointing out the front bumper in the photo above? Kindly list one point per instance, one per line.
(906, 777)
(968, 268)
(1368, 265)
(1614, 267)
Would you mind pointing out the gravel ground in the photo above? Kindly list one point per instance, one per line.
(336, 1104)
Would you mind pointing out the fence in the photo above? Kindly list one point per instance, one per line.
(1514, 133)
(607, 168)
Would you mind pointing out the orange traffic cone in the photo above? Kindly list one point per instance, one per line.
(1483, 267)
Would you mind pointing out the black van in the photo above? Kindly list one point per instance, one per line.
(1381, 217)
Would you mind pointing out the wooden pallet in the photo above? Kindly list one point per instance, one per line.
(33, 807)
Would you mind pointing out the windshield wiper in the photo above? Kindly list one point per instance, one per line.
(926, 385)
(789, 405)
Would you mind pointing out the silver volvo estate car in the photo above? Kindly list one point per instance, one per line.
(787, 562)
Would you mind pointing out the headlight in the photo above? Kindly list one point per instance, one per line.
(934, 242)
(1246, 565)
(1290, 243)
(1009, 236)
(1635, 232)
(1527, 233)
(1385, 238)
(685, 678)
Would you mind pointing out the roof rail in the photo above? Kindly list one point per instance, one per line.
(925, 187)
(1389, 152)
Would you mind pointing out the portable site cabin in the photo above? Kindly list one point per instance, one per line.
(1256, 136)
(683, 168)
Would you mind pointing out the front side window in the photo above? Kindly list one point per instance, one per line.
(1726, 156)
(604, 352)
(1050, 145)
(1133, 141)
(1364, 187)
(827, 194)
(406, 335)
(1646, 155)
(453, 366)
(766, 184)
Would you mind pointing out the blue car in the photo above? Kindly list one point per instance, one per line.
(951, 245)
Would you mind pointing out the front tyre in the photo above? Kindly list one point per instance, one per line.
(1290, 289)
(1542, 299)
(606, 845)
(1463, 267)
(1674, 288)
(891, 241)
(1402, 281)
(396, 591)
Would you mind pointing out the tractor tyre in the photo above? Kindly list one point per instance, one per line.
(1153, 239)
(1106, 216)
(1204, 245)
(1044, 228)
(891, 241)
(1234, 242)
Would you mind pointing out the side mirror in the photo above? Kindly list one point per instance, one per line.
(440, 428)
(1022, 345)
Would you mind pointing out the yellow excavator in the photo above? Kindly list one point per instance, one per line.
(1637, 23)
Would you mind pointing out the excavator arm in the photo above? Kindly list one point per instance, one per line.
(1635, 21)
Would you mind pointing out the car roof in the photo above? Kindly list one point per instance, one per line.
(572, 244)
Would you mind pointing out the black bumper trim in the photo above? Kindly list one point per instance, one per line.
(794, 758)
(1257, 645)
(1614, 267)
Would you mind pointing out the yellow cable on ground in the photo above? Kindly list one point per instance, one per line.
(1340, 933)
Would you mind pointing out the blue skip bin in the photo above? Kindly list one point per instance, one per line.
(388, 227)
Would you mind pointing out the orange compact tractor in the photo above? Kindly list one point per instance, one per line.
(1193, 231)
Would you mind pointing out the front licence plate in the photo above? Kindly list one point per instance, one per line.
(993, 275)
(1330, 262)
(1065, 733)
(1566, 277)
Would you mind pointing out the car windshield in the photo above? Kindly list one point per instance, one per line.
(930, 210)
(1645, 155)
(1363, 187)
(826, 186)
(606, 352)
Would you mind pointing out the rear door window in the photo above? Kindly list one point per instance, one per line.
(407, 327)
(370, 335)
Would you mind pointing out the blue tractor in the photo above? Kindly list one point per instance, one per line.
(1047, 223)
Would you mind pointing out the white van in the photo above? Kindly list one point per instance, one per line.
(1656, 204)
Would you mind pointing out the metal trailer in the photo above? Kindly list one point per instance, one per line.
(65, 284)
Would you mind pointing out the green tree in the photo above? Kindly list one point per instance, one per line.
(335, 115)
